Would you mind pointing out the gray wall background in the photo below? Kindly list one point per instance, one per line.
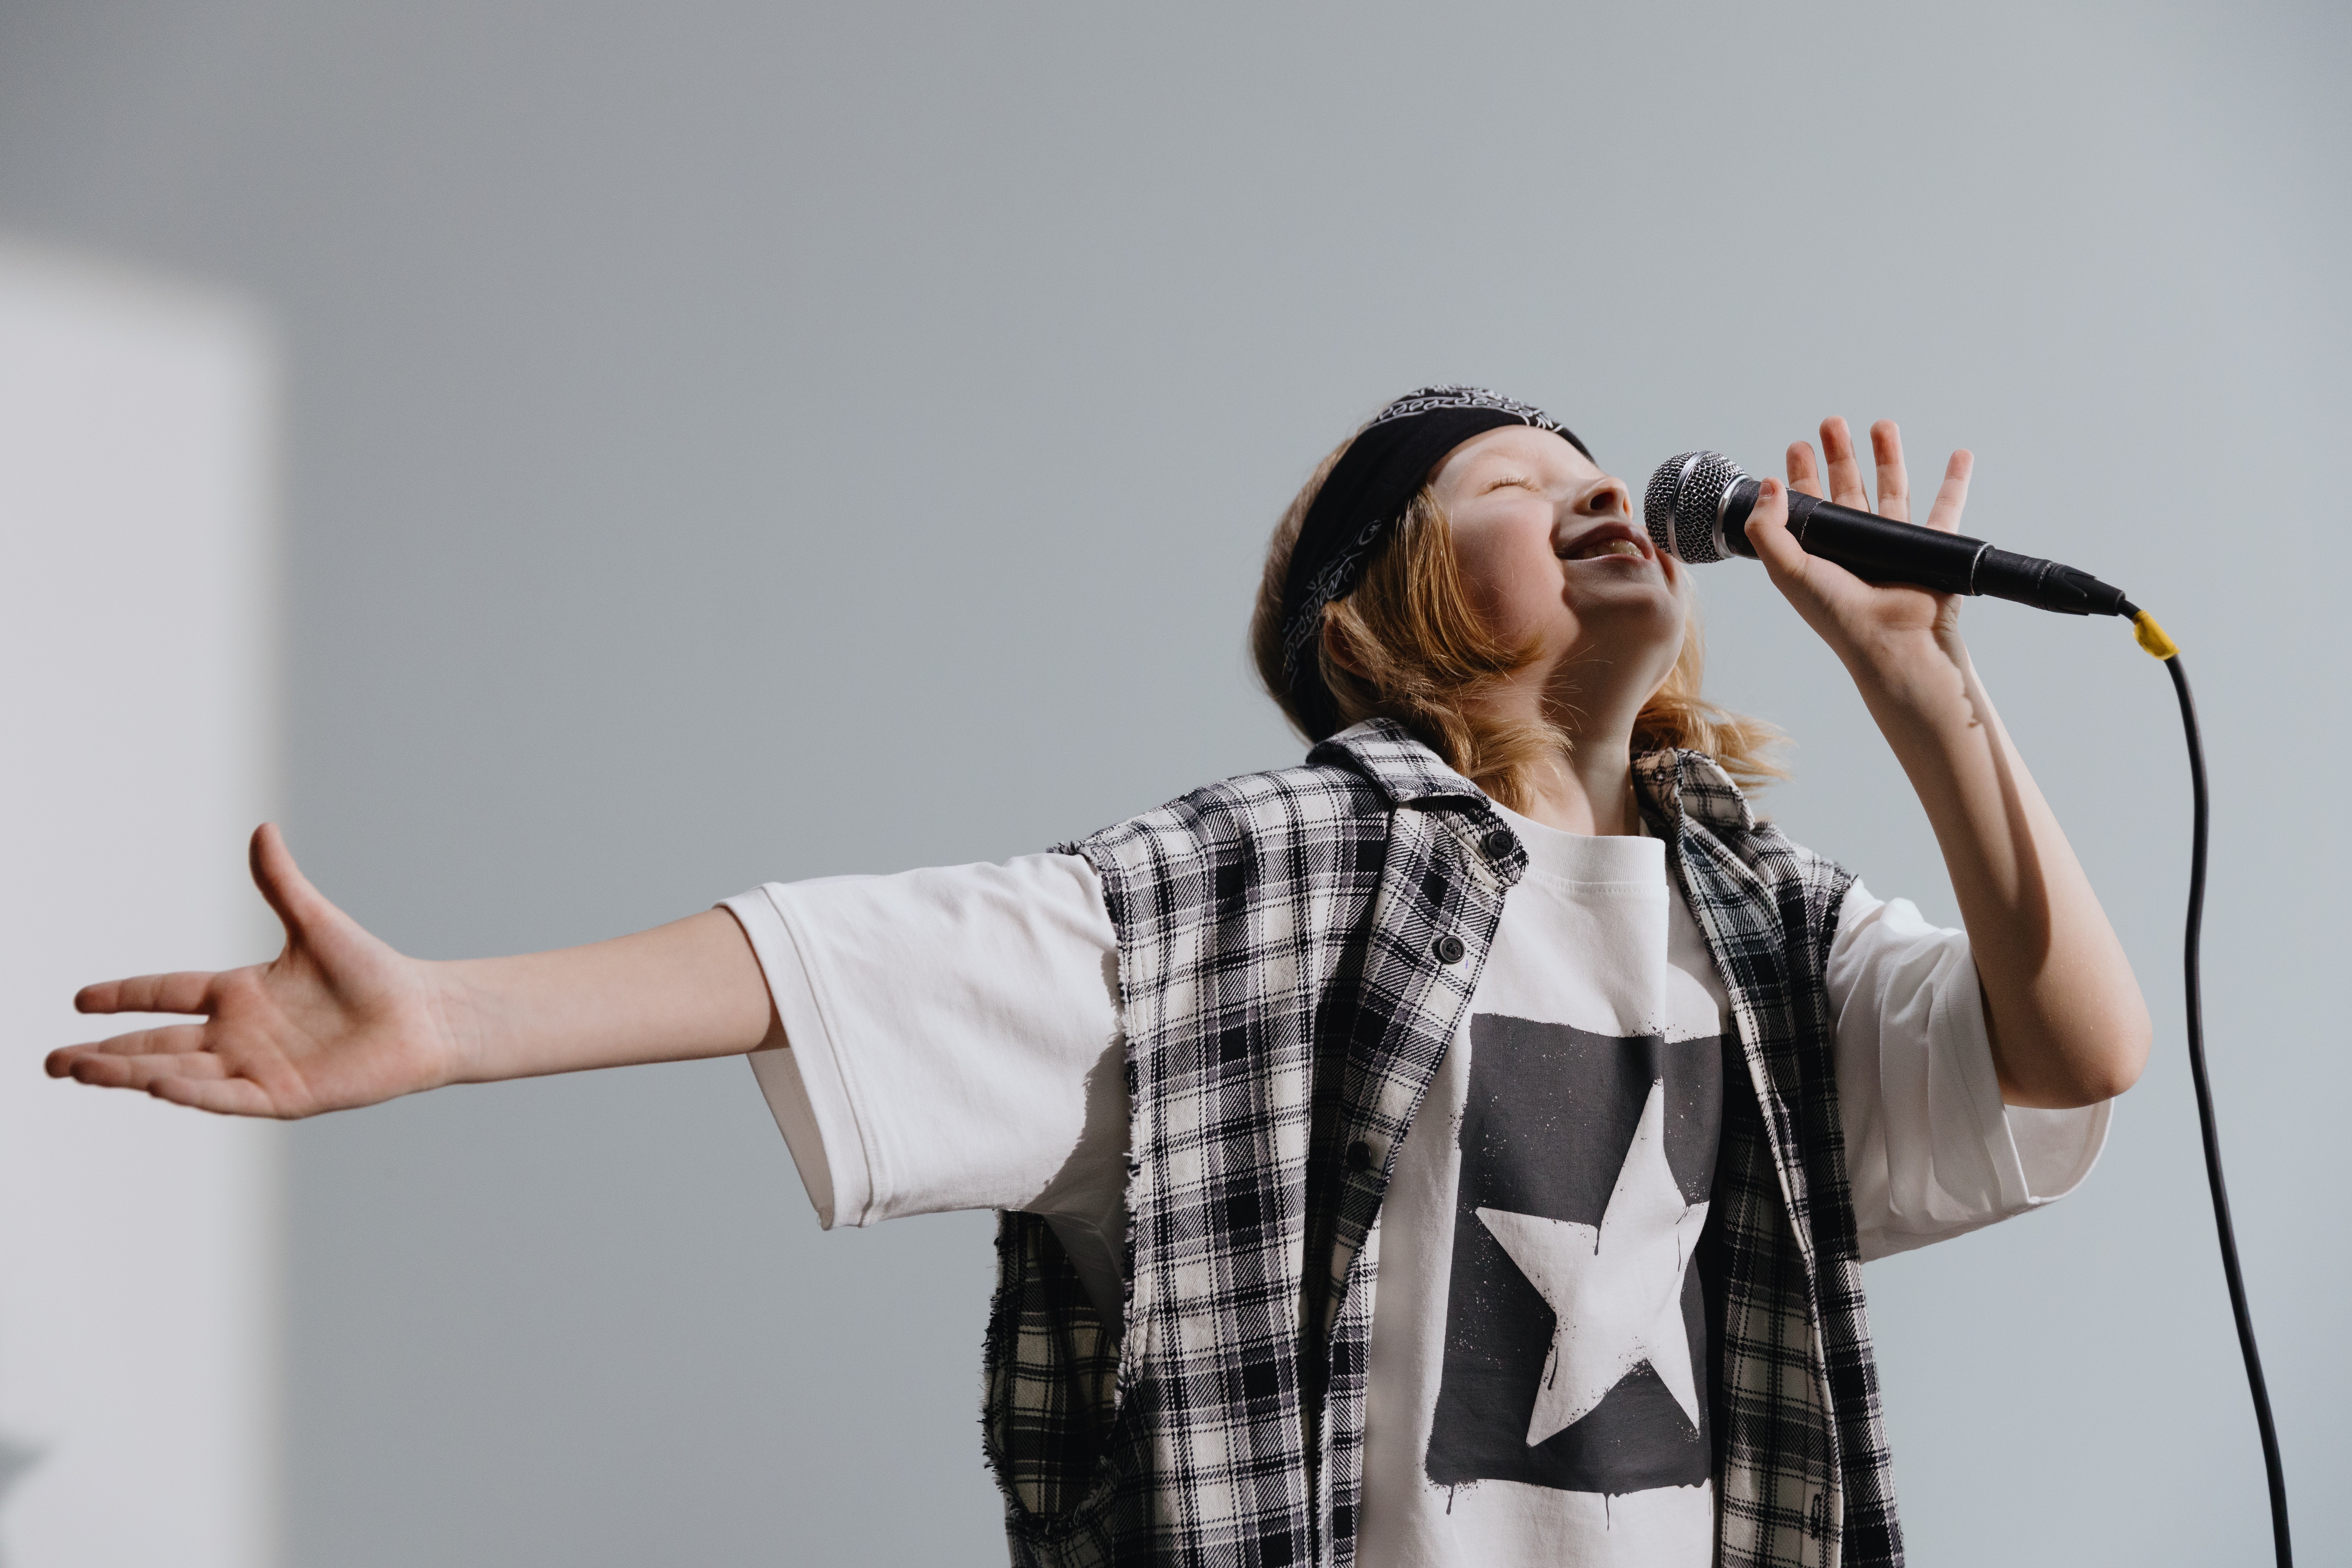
(730, 442)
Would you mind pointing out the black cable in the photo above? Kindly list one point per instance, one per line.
(2193, 992)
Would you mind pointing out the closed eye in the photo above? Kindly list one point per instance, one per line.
(1522, 481)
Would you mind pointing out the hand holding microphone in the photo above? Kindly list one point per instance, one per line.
(1696, 507)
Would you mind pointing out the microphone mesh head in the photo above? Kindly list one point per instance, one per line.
(1680, 504)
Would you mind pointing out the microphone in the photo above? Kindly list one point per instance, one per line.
(1696, 505)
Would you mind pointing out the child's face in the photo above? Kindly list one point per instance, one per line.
(1548, 548)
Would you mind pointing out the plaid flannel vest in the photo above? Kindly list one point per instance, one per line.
(1287, 987)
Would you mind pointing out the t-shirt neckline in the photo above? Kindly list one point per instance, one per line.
(1568, 857)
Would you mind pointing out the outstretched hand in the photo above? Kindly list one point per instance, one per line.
(1862, 621)
(338, 1019)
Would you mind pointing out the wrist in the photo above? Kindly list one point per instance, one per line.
(1919, 669)
(455, 1008)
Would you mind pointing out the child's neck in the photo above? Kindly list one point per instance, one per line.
(1590, 791)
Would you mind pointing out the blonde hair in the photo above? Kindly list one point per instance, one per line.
(1407, 645)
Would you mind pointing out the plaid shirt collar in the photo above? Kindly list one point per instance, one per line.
(1670, 782)
(1407, 772)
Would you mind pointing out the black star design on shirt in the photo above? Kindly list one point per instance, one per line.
(1570, 1139)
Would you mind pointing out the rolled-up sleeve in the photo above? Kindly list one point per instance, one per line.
(1931, 1151)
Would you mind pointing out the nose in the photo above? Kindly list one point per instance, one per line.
(1610, 498)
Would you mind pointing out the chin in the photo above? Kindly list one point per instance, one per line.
(1634, 628)
(1654, 604)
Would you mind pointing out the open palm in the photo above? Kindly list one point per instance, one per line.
(338, 1019)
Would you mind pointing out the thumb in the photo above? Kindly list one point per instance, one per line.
(1768, 531)
(289, 892)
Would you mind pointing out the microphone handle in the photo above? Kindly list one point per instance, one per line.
(1881, 549)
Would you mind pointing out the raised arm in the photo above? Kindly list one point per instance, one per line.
(340, 1019)
(2068, 1025)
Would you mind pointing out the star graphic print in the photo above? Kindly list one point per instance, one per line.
(1615, 1288)
(1575, 1343)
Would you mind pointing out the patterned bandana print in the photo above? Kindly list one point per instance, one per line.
(1359, 505)
(1296, 954)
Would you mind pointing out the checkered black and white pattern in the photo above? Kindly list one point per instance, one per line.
(1296, 952)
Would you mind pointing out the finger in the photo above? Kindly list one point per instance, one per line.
(1804, 473)
(182, 993)
(1768, 530)
(176, 1039)
(179, 1039)
(289, 892)
(1845, 468)
(1952, 495)
(1893, 483)
(223, 1097)
(144, 1072)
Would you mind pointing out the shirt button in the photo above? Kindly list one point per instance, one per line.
(1497, 842)
(1448, 947)
(1360, 1155)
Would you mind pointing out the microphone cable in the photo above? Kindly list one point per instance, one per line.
(1696, 508)
(2151, 636)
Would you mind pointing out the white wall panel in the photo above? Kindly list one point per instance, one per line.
(138, 1241)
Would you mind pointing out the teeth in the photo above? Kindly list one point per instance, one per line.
(1610, 547)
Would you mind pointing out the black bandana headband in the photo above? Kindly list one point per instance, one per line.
(1358, 507)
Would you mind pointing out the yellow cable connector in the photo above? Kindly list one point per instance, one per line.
(2151, 636)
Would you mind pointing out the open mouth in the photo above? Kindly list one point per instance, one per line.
(1597, 549)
